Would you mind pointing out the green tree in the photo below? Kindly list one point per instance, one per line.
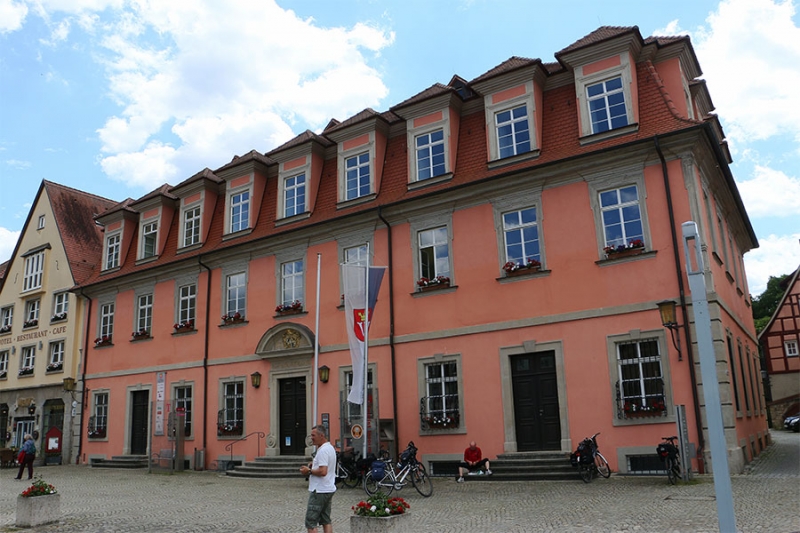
(764, 304)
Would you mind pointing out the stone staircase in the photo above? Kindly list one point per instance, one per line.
(270, 467)
(530, 466)
(120, 461)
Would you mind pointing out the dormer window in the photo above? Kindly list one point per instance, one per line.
(191, 226)
(430, 155)
(112, 251)
(357, 176)
(606, 102)
(240, 211)
(606, 96)
(294, 195)
(149, 239)
(513, 131)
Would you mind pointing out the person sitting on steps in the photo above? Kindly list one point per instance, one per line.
(473, 463)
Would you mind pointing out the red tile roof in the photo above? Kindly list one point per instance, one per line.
(434, 90)
(601, 34)
(508, 65)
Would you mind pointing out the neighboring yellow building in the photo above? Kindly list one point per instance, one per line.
(41, 322)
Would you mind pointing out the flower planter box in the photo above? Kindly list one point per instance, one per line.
(231, 321)
(625, 253)
(524, 271)
(378, 524)
(101, 344)
(187, 329)
(136, 338)
(37, 510)
(290, 312)
(437, 287)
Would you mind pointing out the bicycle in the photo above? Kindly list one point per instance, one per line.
(589, 460)
(347, 473)
(672, 461)
(383, 477)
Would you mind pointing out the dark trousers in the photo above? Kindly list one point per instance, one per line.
(480, 464)
(28, 461)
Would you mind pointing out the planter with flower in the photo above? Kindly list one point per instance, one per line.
(97, 432)
(232, 318)
(634, 409)
(38, 504)
(294, 308)
(140, 335)
(440, 422)
(55, 367)
(634, 247)
(30, 323)
(229, 430)
(5, 329)
(105, 340)
(26, 371)
(519, 269)
(379, 513)
(58, 317)
(4, 374)
(439, 282)
(184, 326)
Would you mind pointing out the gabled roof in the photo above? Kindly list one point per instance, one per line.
(434, 90)
(206, 173)
(3, 268)
(601, 34)
(366, 114)
(303, 138)
(512, 63)
(164, 190)
(252, 155)
(791, 282)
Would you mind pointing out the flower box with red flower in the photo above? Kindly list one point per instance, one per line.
(513, 268)
(634, 409)
(439, 282)
(30, 323)
(27, 371)
(38, 504)
(58, 317)
(234, 318)
(378, 514)
(105, 340)
(54, 367)
(635, 247)
(294, 308)
(140, 335)
(97, 432)
(228, 430)
(183, 326)
(5, 329)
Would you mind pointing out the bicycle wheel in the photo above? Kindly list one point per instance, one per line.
(670, 464)
(421, 481)
(352, 480)
(385, 485)
(585, 472)
(676, 469)
(602, 466)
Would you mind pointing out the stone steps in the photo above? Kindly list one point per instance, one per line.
(120, 461)
(284, 466)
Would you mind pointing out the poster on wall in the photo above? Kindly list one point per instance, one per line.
(161, 379)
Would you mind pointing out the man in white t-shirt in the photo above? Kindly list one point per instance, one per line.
(321, 482)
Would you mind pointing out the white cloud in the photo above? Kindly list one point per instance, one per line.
(8, 240)
(749, 54)
(12, 15)
(771, 193)
(17, 164)
(776, 255)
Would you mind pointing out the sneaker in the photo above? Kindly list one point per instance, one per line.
(480, 472)
(460, 480)
(472, 474)
(488, 472)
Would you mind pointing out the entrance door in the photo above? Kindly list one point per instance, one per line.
(140, 401)
(24, 427)
(293, 416)
(533, 379)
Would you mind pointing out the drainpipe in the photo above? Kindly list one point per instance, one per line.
(684, 311)
(205, 354)
(83, 376)
(391, 330)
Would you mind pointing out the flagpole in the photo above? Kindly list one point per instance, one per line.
(315, 371)
(366, 355)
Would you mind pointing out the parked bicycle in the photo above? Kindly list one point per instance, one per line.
(347, 472)
(383, 476)
(589, 461)
(672, 460)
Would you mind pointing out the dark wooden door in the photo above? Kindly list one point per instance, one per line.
(293, 416)
(535, 387)
(140, 401)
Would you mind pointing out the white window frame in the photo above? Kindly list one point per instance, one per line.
(191, 225)
(34, 272)
(521, 227)
(790, 348)
(187, 302)
(604, 97)
(622, 70)
(100, 410)
(149, 240)
(355, 255)
(112, 251)
(41, 222)
(429, 146)
(27, 358)
(233, 414)
(292, 282)
(425, 384)
(236, 292)
(32, 308)
(60, 303)
(7, 317)
(56, 353)
(493, 109)
(106, 322)
(620, 207)
(4, 355)
(286, 189)
(358, 168)
(412, 133)
(620, 178)
(516, 146)
(440, 237)
(239, 210)
(144, 313)
(180, 399)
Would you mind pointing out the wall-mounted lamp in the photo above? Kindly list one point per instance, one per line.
(3, 412)
(667, 310)
(69, 384)
(32, 408)
(324, 373)
(255, 379)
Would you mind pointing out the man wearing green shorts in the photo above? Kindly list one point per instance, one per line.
(321, 482)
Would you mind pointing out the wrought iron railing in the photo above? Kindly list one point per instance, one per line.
(260, 435)
(439, 412)
(228, 428)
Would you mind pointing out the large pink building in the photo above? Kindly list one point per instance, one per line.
(545, 198)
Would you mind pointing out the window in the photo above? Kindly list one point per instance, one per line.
(434, 253)
(31, 313)
(191, 226)
(60, 305)
(743, 374)
(641, 383)
(112, 251)
(99, 422)
(34, 269)
(3, 366)
(606, 102)
(733, 374)
(28, 359)
(183, 399)
(149, 238)
(430, 155)
(292, 282)
(521, 235)
(356, 255)
(231, 421)
(187, 302)
(294, 194)
(440, 406)
(6, 318)
(790, 347)
(240, 211)
(622, 219)
(357, 179)
(41, 222)
(107, 320)
(236, 291)
(144, 313)
(56, 361)
(513, 133)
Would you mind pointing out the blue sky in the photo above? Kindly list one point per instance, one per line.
(117, 97)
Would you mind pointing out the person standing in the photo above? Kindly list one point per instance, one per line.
(29, 447)
(321, 475)
(473, 461)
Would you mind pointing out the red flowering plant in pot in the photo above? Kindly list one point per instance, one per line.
(529, 264)
(184, 325)
(141, 334)
(104, 340)
(379, 504)
(38, 488)
(424, 282)
(635, 244)
(294, 307)
(232, 317)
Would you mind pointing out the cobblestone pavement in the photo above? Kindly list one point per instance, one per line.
(118, 501)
